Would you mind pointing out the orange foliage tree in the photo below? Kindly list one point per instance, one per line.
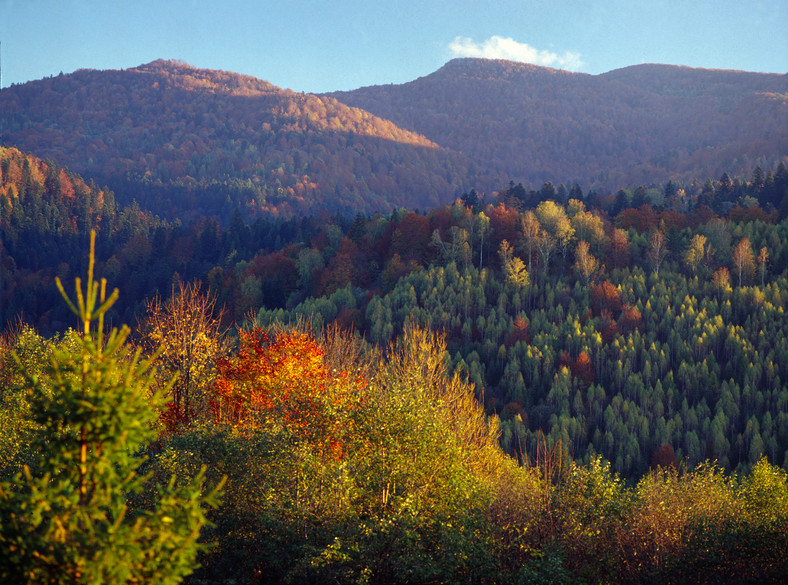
(580, 368)
(283, 384)
(605, 296)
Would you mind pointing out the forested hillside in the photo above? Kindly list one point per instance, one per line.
(618, 330)
(46, 213)
(325, 458)
(633, 337)
(539, 336)
(632, 126)
(537, 386)
(185, 142)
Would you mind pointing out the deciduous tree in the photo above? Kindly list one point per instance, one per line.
(546, 245)
(743, 260)
(619, 247)
(657, 250)
(283, 384)
(516, 273)
(585, 262)
(721, 280)
(695, 252)
(186, 336)
(531, 229)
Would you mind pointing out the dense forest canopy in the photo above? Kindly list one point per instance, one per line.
(616, 325)
(340, 460)
(344, 364)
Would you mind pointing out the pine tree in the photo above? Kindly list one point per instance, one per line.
(70, 522)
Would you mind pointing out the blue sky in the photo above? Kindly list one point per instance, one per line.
(344, 44)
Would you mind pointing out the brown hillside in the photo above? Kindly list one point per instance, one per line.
(636, 125)
(186, 142)
(196, 132)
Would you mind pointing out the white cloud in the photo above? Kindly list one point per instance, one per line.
(505, 48)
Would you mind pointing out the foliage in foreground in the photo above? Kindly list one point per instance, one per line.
(396, 476)
(89, 414)
(345, 464)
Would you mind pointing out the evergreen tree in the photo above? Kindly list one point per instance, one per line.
(70, 522)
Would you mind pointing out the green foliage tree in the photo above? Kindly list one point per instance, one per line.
(763, 259)
(24, 353)
(482, 230)
(70, 522)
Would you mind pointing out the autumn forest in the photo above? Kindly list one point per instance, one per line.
(253, 336)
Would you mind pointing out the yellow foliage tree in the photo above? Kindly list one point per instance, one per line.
(585, 262)
(743, 260)
(695, 252)
(187, 333)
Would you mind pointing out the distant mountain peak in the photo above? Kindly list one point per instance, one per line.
(190, 131)
(164, 64)
(499, 70)
(502, 66)
(635, 125)
(191, 77)
(472, 123)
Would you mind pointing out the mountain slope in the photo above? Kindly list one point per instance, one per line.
(197, 135)
(186, 142)
(635, 125)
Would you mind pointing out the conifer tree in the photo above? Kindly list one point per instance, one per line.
(70, 522)
(763, 258)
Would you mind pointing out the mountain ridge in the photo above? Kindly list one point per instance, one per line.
(169, 124)
(192, 141)
(605, 131)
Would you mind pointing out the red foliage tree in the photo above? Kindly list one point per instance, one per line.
(503, 224)
(643, 219)
(583, 370)
(440, 219)
(348, 265)
(673, 219)
(605, 296)
(411, 238)
(607, 326)
(700, 216)
(519, 332)
(284, 384)
(664, 457)
(631, 319)
(580, 368)
(619, 248)
(753, 213)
